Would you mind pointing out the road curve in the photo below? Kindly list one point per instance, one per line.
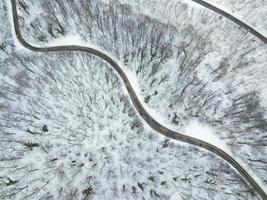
(233, 19)
(138, 105)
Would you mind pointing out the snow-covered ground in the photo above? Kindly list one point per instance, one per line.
(69, 132)
(192, 65)
(210, 77)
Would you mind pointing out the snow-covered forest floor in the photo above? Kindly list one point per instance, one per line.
(68, 130)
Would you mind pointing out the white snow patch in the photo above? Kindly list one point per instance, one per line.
(205, 133)
(70, 39)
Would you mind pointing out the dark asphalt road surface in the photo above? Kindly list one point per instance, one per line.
(138, 105)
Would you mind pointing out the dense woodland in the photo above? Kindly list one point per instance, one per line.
(68, 131)
(191, 63)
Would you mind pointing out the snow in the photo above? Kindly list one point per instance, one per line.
(76, 40)
(90, 139)
(208, 137)
(136, 86)
(69, 39)
(18, 46)
(194, 129)
(252, 13)
(257, 179)
(199, 127)
(205, 133)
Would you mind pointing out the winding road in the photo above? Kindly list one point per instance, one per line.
(138, 105)
(233, 19)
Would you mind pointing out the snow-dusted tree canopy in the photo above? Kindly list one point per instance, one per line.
(69, 132)
(68, 129)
